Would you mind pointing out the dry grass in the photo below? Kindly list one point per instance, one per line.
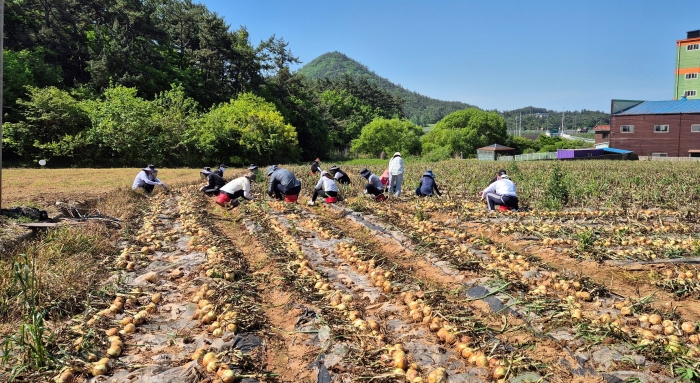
(43, 187)
(68, 263)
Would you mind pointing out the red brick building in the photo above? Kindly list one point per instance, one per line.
(656, 128)
(602, 134)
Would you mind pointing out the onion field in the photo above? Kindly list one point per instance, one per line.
(594, 280)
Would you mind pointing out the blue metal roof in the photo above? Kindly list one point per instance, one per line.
(663, 107)
(618, 151)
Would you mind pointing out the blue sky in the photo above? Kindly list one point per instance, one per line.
(560, 55)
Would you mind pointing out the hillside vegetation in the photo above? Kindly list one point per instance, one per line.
(421, 110)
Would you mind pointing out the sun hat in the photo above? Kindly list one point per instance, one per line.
(323, 173)
(252, 167)
(396, 154)
(334, 168)
(504, 177)
(149, 168)
(271, 170)
(206, 171)
(250, 176)
(502, 172)
(365, 173)
(222, 166)
(429, 173)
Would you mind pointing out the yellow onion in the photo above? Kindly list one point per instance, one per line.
(654, 319)
(129, 328)
(208, 357)
(438, 376)
(98, 369)
(114, 351)
(499, 372)
(688, 328)
(67, 376)
(212, 366)
(227, 376)
(112, 331)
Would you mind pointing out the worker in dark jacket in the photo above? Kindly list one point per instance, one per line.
(427, 185)
(282, 182)
(220, 170)
(214, 181)
(340, 176)
(315, 167)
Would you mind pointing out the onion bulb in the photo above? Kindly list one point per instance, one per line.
(130, 328)
(688, 328)
(66, 376)
(438, 376)
(212, 366)
(98, 369)
(499, 372)
(654, 319)
(227, 376)
(114, 351)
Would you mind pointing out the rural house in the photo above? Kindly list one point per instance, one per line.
(602, 135)
(656, 128)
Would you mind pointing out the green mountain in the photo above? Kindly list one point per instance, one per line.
(422, 110)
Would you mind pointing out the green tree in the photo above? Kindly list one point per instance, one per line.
(465, 131)
(50, 117)
(247, 129)
(22, 69)
(123, 131)
(393, 135)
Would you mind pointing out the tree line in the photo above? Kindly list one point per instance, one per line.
(128, 82)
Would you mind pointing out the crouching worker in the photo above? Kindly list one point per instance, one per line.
(214, 182)
(232, 191)
(326, 188)
(502, 193)
(374, 185)
(340, 176)
(147, 180)
(283, 183)
(427, 185)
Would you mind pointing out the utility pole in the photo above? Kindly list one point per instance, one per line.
(2, 53)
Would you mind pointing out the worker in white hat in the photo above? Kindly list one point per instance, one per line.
(147, 180)
(396, 167)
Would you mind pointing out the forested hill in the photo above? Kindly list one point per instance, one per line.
(420, 109)
(540, 118)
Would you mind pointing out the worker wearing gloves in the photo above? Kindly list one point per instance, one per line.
(427, 185)
(501, 192)
(326, 187)
(282, 182)
(214, 181)
(232, 191)
(396, 167)
(340, 176)
(147, 180)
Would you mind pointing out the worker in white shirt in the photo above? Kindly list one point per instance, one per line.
(147, 180)
(232, 191)
(396, 167)
(326, 187)
(501, 192)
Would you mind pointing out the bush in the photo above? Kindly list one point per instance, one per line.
(557, 194)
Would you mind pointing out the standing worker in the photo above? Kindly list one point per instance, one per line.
(501, 192)
(147, 180)
(374, 186)
(427, 185)
(282, 182)
(214, 182)
(325, 188)
(232, 191)
(396, 167)
(340, 176)
(315, 167)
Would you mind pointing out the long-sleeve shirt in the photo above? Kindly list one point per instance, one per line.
(396, 166)
(427, 185)
(315, 167)
(215, 182)
(375, 181)
(327, 184)
(144, 179)
(282, 177)
(240, 183)
(342, 177)
(501, 187)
